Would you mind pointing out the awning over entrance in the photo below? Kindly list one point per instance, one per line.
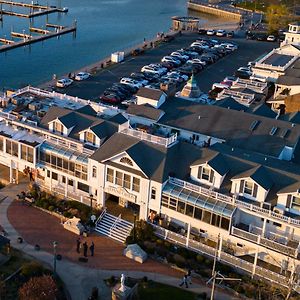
(215, 206)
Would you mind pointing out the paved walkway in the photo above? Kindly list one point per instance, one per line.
(37, 227)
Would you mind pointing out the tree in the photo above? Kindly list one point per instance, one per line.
(277, 17)
(38, 288)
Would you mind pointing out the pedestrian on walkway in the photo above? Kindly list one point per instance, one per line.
(31, 176)
(184, 281)
(189, 276)
(78, 244)
(92, 248)
(85, 249)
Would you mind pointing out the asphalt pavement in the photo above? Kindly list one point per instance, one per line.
(248, 51)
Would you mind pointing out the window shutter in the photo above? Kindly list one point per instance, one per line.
(289, 201)
(255, 190)
(242, 183)
(199, 172)
(211, 176)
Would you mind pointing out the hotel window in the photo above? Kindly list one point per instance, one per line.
(1, 143)
(90, 138)
(136, 184)
(119, 178)
(94, 173)
(206, 173)
(54, 176)
(295, 203)
(63, 179)
(110, 175)
(27, 153)
(249, 188)
(58, 127)
(12, 148)
(153, 193)
(127, 181)
(83, 187)
(70, 182)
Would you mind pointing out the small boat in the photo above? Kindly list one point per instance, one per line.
(65, 9)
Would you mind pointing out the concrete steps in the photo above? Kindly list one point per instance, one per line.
(114, 227)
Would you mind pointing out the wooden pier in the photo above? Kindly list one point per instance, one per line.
(35, 9)
(29, 39)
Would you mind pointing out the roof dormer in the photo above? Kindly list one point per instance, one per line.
(294, 27)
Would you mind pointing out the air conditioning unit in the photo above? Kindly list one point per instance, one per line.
(279, 210)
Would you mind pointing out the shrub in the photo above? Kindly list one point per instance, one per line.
(200, 259)
(168, 245)
(51, 208)
(149, 247)
(37, 286)
(170, 259)
(179, 260)
(162, 252)
(129, 240)
(31, 269)
(183, 252)
(67, 214)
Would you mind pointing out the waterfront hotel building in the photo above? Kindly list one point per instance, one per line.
(212, 172)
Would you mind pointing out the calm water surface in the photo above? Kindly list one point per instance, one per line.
(104, 26)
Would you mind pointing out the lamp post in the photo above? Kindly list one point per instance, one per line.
(54, 258)
(91, 203)
(134, 220)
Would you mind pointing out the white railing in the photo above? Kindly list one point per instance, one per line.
(274, 245)
(233, 261)
(166, 142)
(232, 200)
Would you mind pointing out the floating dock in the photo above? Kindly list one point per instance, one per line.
(35, 9)
(29, 39)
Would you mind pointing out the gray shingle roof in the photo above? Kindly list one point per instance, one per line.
(87, 110)
(230, 103)
(145, 111)
(230, 125)
(118, 119)
(259, 174)
(153, 94)
(216, 162)
(262, 110)
(288, 80)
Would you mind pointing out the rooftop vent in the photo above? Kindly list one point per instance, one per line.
(253, 125)
(273, 130)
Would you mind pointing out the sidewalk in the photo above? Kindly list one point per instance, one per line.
(78, 279)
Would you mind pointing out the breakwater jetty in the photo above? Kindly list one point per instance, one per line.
(217, 10)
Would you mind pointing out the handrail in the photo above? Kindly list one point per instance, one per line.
(101, 215)
(232, 200)
(113, 226)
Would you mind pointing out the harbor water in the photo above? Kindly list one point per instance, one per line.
(104, 26)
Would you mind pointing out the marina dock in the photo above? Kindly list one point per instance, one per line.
(29, 39)
(35, 9)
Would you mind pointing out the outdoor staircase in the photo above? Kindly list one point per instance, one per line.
(113, 227)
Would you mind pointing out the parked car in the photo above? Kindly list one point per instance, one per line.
(210, 32)
(64, 82)
(171, 59)
(180, 56)
(151, 69)
(271, 38)
(202, 31)
(131, 82)
(137, 52)
(82, 76)
(261, 37)
(168, 38)
(230, 34)
(111, 98)
(221, 32)
(131, 89)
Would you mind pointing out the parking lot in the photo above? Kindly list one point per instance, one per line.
(248, 50)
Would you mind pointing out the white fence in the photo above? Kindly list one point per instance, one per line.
(233, 261)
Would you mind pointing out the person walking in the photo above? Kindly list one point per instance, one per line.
(78, 244)
(92, 248)
(85, 249)
(184, 281)
(189, 276)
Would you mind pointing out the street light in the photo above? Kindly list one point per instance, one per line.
(91, 204)
(54, 253)
(134, 220)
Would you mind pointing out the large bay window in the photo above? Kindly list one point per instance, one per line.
(12, 148)
(122, 179)
(27, 153)
(295, 203)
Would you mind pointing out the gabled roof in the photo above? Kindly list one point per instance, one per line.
(87, 110)
(262, 110)
(145, 111)
(153, 94)
(68, 120)
(259, 174)
(104, 129)
(230, 103)
(292, 188)
(217, 163)
(118, 119)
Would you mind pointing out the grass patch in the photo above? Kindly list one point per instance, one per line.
(153, 290)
